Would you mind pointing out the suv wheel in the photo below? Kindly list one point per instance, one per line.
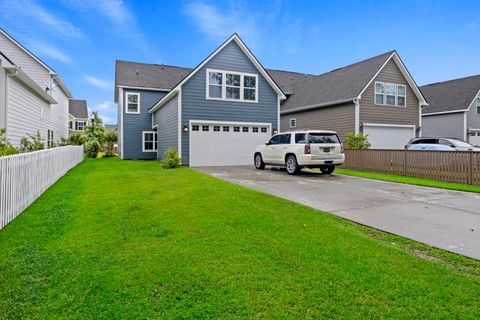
(327, 169)
(292, 165)
(258, 161)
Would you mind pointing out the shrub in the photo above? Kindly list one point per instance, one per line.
(358, 141)
(171, 159)
(76, 139)
(110, 138)
(32, 142)
(6, 148)
(92, 147)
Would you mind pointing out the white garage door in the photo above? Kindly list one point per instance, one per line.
(225, 143)
(475, 138)
(388, 136)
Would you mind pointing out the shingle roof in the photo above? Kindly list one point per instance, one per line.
(111, 127)
(136, 74)
(450, 95)
(78, 108)
(337, 85)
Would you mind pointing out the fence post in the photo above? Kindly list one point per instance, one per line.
(405, 162)
(470, 167)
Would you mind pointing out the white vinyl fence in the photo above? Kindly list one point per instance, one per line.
(24, 177)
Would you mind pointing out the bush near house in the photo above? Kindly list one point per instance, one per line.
(110, 138)
(32, 142)
(171, 159)
(6, 147)
(357, 141)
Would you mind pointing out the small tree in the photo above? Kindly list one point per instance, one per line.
(95, 129)
(110, 138)
(76, 139)
(358, 141)
(92, 147)
(171, 159)
(6, 147)
(32, 142)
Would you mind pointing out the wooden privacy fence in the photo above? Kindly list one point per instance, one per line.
(24, 177)
(449, 166)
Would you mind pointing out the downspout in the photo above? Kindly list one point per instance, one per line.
(7, 83)
(356, 101)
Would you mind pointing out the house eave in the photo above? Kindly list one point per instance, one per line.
(315, 106)
(24, 78)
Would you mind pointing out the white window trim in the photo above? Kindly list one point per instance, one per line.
(477, 103)
(295, 122)
(143, 141)
(385, 94)
(126, 102)
(224, 85)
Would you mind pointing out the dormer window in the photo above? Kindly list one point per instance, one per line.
(231, 86)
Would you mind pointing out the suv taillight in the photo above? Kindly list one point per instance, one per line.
(342, 148)
(307, 148)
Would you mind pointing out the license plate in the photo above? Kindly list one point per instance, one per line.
(326, 149)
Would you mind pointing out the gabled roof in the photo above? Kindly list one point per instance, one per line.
(452, 95)
(344, 84)
(55, 75)
(78, 108)
(234, 38)
(286, 79)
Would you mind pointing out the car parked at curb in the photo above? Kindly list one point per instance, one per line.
(300, 149)
(452, 144)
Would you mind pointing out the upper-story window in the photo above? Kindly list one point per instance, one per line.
(80, 125)
(231, 86)
(390, 94)
(478, 105)
(133, 103)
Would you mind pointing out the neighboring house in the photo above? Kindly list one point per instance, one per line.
(33, 97)
(77, 116)
(214, 114)
(377, 97)
(453, 110)
(111, 127)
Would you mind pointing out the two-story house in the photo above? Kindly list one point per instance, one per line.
(33, 97)
(453, 109)
(77, 115)
(218, 112)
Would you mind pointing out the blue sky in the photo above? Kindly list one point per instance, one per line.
(80, 39)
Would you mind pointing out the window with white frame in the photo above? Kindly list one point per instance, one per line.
(149, 141)
(390, 94)
(232, 86)
(80, 125)
(478, 105)
(50, 143)
(133, 103)
(293, 122)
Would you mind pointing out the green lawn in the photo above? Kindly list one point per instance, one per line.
(123, 239)
(409, 180)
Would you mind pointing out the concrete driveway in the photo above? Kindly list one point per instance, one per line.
(441, 218)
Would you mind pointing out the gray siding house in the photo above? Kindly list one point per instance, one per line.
(32, 95)
(377, 97)
(453, 110)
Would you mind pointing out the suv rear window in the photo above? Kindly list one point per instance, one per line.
(323, 138)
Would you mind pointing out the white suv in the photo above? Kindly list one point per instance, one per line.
(299, 149)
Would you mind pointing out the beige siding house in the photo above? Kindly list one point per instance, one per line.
(77, 115)
(34, 98)
(377, 97)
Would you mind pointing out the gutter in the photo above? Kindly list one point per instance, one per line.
(16, 72)
(314, 106)
(62, 85)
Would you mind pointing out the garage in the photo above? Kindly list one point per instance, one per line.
(225, 143)
(388, 136)
(474, 137)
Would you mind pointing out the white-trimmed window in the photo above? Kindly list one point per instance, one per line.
(390, 94)
(293, 122)
(70, 124)
(264, 130)
(255, 129)
(216, 128)
(226, 128)
(149, 143)
(80, 125)
(478, 105)
(133, 103)
(49, 138)
(195, 127)
(245, 129)
(231, 86)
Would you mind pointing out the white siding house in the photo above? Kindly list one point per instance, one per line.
(33, 96)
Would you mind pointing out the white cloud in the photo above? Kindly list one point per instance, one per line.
(219, 25)
(29, 11)
(46, 50)
(104, 106)
(99, 83)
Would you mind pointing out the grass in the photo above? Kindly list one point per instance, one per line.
(409, 180)
(127, 239)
